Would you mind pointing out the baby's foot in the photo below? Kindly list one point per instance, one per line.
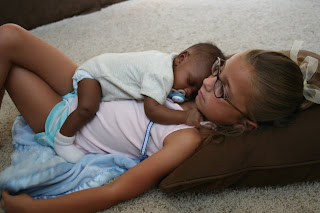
(68, 152)
(64, 147)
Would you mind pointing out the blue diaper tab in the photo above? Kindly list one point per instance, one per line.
(55, 120)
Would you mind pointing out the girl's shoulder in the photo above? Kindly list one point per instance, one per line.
(186, 137)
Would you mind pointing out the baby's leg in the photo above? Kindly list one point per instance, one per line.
(19, 47)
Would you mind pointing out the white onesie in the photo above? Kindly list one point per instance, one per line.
(132, 75)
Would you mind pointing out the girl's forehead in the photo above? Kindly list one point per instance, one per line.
(238, 77)
(237, 63)
(237, 56)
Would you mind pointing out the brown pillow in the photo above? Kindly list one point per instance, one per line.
(33, 13)
(263, 157)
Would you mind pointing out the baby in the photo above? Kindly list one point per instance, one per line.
(149, 76)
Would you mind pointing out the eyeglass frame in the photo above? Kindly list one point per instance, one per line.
(217, 75)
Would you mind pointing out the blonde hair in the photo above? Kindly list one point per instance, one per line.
(279, 85)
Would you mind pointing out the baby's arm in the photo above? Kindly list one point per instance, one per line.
(163, 115)
(178, 146)
(89, 96)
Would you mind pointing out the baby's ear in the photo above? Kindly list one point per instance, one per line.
(181, 57)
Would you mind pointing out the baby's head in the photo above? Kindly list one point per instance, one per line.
(193, 65)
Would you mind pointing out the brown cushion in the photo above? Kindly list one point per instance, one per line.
(263, 157)
(33, 13)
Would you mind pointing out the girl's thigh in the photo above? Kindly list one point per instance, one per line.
(33, 97)
(22, 48)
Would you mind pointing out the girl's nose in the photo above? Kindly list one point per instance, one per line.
(209, 82)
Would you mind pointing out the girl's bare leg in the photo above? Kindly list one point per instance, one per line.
(20, 47)
(33, 97)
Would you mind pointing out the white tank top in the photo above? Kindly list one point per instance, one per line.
(119, 127)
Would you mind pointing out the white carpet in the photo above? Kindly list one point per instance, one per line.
(171, 26)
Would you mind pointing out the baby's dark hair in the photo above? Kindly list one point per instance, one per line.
(206, 52)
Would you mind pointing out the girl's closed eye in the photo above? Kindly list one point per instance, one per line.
(219, 89)
(224, 91)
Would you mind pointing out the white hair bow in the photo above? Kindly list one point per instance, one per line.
(308, 67)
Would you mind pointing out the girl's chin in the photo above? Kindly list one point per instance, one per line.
(199, 101)
(196, 100)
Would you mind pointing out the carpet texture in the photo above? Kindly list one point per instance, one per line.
(172, 26)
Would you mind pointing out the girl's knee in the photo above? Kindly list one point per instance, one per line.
(10, 27)
(10, 34)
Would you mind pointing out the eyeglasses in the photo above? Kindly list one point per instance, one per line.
(218, 87)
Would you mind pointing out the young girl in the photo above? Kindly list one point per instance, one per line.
(251, 87)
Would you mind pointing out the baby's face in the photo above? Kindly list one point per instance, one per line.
(189, 77)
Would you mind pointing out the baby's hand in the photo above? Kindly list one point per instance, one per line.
(194, 117)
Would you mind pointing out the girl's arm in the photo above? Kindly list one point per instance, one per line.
(177, 147)
(163, 115)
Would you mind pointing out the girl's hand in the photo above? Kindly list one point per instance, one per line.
(194, 117)
(17, 204)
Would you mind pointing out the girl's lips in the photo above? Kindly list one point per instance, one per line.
(200, 94)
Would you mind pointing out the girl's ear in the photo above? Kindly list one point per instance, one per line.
(251, 125)
(181, 57)
(247, 125)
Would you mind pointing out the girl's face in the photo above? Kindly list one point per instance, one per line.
(238, 89)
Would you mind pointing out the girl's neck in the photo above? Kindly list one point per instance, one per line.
(188, 105)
